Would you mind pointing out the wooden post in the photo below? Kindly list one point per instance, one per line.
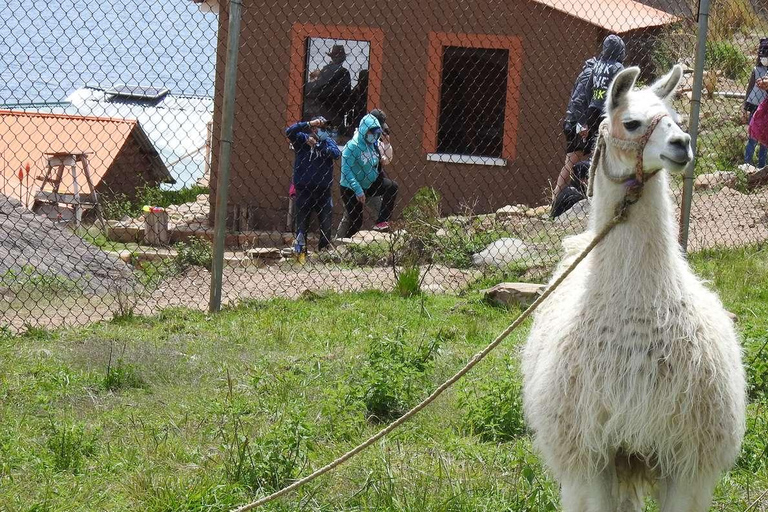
(156, 228)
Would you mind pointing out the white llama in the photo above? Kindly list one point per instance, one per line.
(632, 371)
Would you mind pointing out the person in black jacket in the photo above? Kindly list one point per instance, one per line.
(575, 124)
(608, 64)
(332, 87)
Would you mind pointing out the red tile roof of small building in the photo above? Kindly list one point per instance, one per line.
(28, 136)
(613, 15)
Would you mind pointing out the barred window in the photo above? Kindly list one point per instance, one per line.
(472, 99)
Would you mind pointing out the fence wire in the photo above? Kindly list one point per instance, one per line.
(392, 146)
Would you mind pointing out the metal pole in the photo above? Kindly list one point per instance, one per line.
(225, 153)
(693, 120)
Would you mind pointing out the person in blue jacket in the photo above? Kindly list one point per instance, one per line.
(362, 178)
(316, 152)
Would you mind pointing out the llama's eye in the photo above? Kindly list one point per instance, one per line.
(631, 125)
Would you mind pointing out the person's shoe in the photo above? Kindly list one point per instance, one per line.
(381, 226)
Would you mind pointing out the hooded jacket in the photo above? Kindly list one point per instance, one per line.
(607, 66)
(360, 159)
(580, 96)
(313, 166)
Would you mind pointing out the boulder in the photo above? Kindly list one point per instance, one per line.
(513, 294)
(712, 180)
(757, 179)
(502, 252)
(511, 211)
(264, 253)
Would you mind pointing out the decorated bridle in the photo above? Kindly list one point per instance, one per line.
(633, 183)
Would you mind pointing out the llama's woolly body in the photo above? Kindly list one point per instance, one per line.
(633, 358)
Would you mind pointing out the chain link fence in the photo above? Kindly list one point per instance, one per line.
(388, 146)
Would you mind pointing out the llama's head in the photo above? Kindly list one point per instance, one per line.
(630, 114)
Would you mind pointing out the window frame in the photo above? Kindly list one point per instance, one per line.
(300, 32)
(438, 41)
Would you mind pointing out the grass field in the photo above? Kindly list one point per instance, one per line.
(190, 412)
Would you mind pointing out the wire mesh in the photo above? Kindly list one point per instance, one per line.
(387, 146)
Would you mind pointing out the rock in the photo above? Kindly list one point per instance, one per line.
(34, 244)
(502, 252)
(513, 294)
(433, 288)
(711, 180)
(125, 255)
(758, 178)
(264, 253)
(748, 169)
(510, 211)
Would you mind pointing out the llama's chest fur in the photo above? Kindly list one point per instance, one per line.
(611, 370)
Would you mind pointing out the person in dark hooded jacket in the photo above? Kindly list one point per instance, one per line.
(315, 152)
(608, 65)
(575, 123)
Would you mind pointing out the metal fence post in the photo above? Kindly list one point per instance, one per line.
(225, 153)
(693, 122)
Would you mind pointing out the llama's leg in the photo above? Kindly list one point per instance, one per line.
(687, 495)
(593, 495)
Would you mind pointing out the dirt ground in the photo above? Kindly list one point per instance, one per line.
(728, 218)
(723, 218)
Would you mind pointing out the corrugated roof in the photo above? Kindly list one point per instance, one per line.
(27, 136)
(176, 125)
(613, 15)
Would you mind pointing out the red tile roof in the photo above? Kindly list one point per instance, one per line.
(27, 136)
(613, 15)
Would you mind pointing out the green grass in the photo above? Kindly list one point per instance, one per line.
(186, 411)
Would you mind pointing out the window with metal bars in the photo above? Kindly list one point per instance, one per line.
(472, 101)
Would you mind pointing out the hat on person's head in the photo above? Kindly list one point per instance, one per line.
(337, 51)
(381, 117)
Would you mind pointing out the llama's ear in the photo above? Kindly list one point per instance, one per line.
(620, 86)
(666, 85)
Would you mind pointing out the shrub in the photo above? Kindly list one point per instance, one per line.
(194, 252)
(493, 407)
(726, 57)
(394, 376)
(408, 282)
(118, 206)
(754, 448)
(729, 17)
(69, 446)
(122, 375)
(267, 462)
(757, 369)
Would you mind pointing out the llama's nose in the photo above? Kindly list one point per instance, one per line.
(680, 142)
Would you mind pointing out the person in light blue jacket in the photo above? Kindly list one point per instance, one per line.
(361, 177)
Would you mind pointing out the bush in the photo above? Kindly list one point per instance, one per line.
(729, 17)
(118, 205)
(394, 376)
(494, 406)
(726, 57)
(122, 375)
(194, 252)
(408, 282)
(69, 446)
(757, 368)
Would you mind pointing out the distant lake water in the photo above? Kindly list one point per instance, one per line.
(48, 49)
